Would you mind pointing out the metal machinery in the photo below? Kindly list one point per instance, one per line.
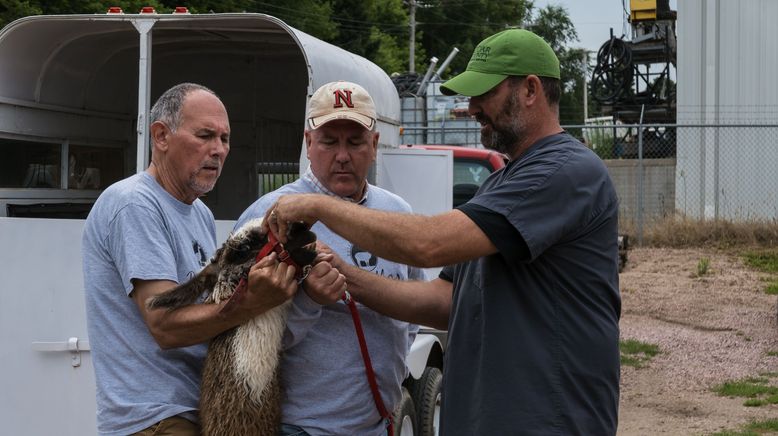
(632, 81)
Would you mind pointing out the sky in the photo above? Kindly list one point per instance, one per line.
(593, 19)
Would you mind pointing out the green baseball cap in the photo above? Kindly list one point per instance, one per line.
(512, 52)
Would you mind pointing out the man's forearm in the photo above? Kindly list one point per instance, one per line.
(404, 238)
(418, 302)
(416, 240)
(192, 324)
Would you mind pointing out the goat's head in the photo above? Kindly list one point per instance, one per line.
(232, 261)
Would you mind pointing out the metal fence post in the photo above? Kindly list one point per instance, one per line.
(640, 177)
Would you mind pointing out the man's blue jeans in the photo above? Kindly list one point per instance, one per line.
(291, 430)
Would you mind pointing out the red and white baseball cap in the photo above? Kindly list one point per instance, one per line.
(341, 101)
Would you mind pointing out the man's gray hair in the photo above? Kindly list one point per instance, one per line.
(168, 107)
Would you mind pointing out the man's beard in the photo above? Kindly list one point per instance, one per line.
(202, 187)
(505, 138)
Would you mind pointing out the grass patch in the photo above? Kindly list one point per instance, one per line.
(754, 402)
(764, 426)
(635, 353)
(755, 428)
(765, 261)
(756, 389)
(683, 232)
(703, 266)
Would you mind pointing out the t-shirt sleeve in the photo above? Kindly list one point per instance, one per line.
(499, 230)
(141, 246)
(447, 273)
(545, 201)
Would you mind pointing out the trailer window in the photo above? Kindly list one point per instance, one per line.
(94, 167)
(29, 164)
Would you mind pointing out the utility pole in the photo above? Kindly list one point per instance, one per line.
(586, 85)
(412, 46)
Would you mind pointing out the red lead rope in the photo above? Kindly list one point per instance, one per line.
(379, 403)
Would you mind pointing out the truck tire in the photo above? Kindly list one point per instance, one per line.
(404, 416)
(426, 397)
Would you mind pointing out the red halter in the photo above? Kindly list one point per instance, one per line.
(272, 245)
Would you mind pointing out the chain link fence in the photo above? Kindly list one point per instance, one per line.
(700, 171)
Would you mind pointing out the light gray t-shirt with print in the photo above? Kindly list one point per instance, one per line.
(137, 230)
(325, 390)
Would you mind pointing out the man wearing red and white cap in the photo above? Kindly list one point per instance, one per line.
(325, 391)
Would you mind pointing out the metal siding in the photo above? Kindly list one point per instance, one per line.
(42, 300)
(727, 58)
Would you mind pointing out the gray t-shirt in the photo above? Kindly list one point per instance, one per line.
(137, 230)
(533, 333)
(325, 389)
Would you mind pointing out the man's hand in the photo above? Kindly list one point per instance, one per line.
(270, 283)
(325, 253)
(288, 209)
(325, 284)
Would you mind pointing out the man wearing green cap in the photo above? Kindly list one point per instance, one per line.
(530, 297)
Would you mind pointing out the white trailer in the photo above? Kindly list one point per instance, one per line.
(74, 97)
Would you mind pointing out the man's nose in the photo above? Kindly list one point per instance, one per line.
(342, 155)
(473, 106)
(220, 148)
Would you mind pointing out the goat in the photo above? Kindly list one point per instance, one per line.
(240, 391)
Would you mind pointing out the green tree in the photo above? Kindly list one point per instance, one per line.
(375, 29)
(464, 23)
(314, 17)
(446, 24)
(10, 10)
(553, 24)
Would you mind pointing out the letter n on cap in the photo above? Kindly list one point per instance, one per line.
(343, 96)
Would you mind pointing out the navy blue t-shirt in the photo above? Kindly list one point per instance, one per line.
(533, 332)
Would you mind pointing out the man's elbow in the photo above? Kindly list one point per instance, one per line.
(165, 340)
(428, 254)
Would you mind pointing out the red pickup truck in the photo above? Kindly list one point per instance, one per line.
(471, 167)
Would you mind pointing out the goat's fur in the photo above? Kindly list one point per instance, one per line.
(240, 392)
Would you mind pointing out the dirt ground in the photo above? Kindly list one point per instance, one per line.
(710, 329)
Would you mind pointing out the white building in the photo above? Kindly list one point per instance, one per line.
(727, 60)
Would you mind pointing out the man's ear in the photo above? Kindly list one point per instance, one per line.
(159, 135)
(375, 135)
(307, 135)
(532, 89)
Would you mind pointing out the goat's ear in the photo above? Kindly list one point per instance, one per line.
(189, 292)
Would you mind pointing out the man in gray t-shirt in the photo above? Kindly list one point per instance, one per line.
(147, 234)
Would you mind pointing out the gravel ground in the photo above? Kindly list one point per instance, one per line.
(709, 329)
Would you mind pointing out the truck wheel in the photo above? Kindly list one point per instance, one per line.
(426, 397)
(404, 416)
